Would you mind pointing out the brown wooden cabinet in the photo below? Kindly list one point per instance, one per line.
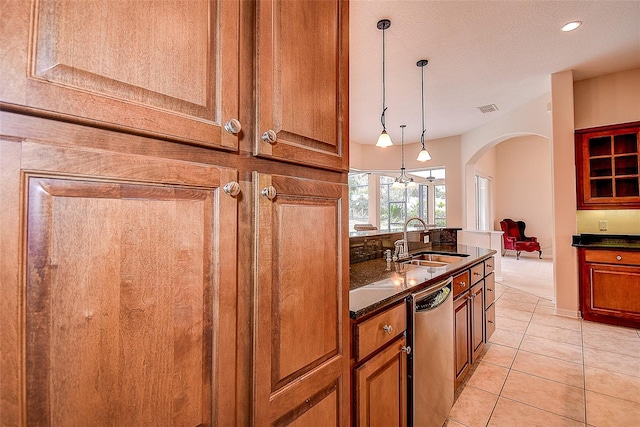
(610, 286)
(489, 299)
(175, 77)
(461, 321)
(300, 332)
(380, 368)
(477, 326)
(381, 388)
(474, 315)
(187, 304)
(608, 167)
(303, 82)
(127, 305)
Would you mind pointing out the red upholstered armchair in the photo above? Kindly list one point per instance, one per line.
(515, 240)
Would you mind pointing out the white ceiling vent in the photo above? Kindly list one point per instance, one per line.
(490, 108)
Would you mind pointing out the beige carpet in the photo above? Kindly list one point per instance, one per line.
(528, 274)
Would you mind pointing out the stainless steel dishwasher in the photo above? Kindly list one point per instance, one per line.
(431, 368)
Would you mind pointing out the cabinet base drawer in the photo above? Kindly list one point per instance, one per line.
(379, 330)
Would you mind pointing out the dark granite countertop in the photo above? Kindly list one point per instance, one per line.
(374, 284)
(607, 241)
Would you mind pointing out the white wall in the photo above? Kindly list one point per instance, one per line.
(522, 187)
(530, 119)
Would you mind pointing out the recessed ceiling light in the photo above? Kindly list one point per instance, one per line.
(570, 26)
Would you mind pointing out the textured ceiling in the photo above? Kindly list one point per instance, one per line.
(480, 52)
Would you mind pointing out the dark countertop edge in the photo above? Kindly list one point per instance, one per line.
(606, 241)
(374, 307)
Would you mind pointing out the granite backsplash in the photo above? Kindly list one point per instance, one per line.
(367, 245)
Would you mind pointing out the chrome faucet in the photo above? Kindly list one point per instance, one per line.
(405, 249)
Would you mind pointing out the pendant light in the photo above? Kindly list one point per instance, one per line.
(423, 155)
(384, 140)
(403, 181)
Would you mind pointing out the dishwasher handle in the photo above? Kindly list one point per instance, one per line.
(434, 299)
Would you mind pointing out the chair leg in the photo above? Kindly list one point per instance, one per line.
(517, 255)
(539, 254)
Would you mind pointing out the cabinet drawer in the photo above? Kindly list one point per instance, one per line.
(612, 256)
(461, 283)
(489, 290)
(379, 330)
(490, 316)
(489, 265)
(477, 273)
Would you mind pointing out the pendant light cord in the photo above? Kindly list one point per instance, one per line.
(402, 150)
(384, 103)
(423, 128)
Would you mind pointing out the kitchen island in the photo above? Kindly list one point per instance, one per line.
(382, 324)
(376, 284)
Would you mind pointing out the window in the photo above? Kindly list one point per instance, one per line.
(483, 206)
(440, 211)
(395, 205)
(358, 199)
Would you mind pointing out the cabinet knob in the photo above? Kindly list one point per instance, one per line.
(619, 258)
(463, 284)
(475, 273)
(489, 289)
(233, 126)
(269, 192)
(490, 321)
(406, 349)
(232, 188)
(270, 137)
(387, 329)
(489, 265)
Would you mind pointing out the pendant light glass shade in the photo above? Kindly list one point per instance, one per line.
(384, 140)
(403, 181)
(423, 155)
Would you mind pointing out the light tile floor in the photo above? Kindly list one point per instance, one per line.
(539, 369)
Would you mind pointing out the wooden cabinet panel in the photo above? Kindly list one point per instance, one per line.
(302, 86)
(489, 290)
(301, 338)
(477, 320)
(129, 301)
(379, 330)
(461, 283)
(613, 257)
(489, 265)
(477, 273)
(462, 316)
(381, 388)
(608, 167)
(490, 318)
(610, 286)
(167, 68)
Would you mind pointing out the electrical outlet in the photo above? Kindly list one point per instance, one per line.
(603, 225)
(426, 238)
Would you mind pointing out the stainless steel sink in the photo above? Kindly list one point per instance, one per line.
(434, 259)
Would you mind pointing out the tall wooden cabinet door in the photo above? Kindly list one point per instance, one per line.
(301, 327)
(163, 68)
(477, 320)
(461, 316)
(302, 82)
(129, 292)
(381, 388)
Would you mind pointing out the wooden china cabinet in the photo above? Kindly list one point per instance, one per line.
(608, 177)
(162, 262)
(608, 167)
